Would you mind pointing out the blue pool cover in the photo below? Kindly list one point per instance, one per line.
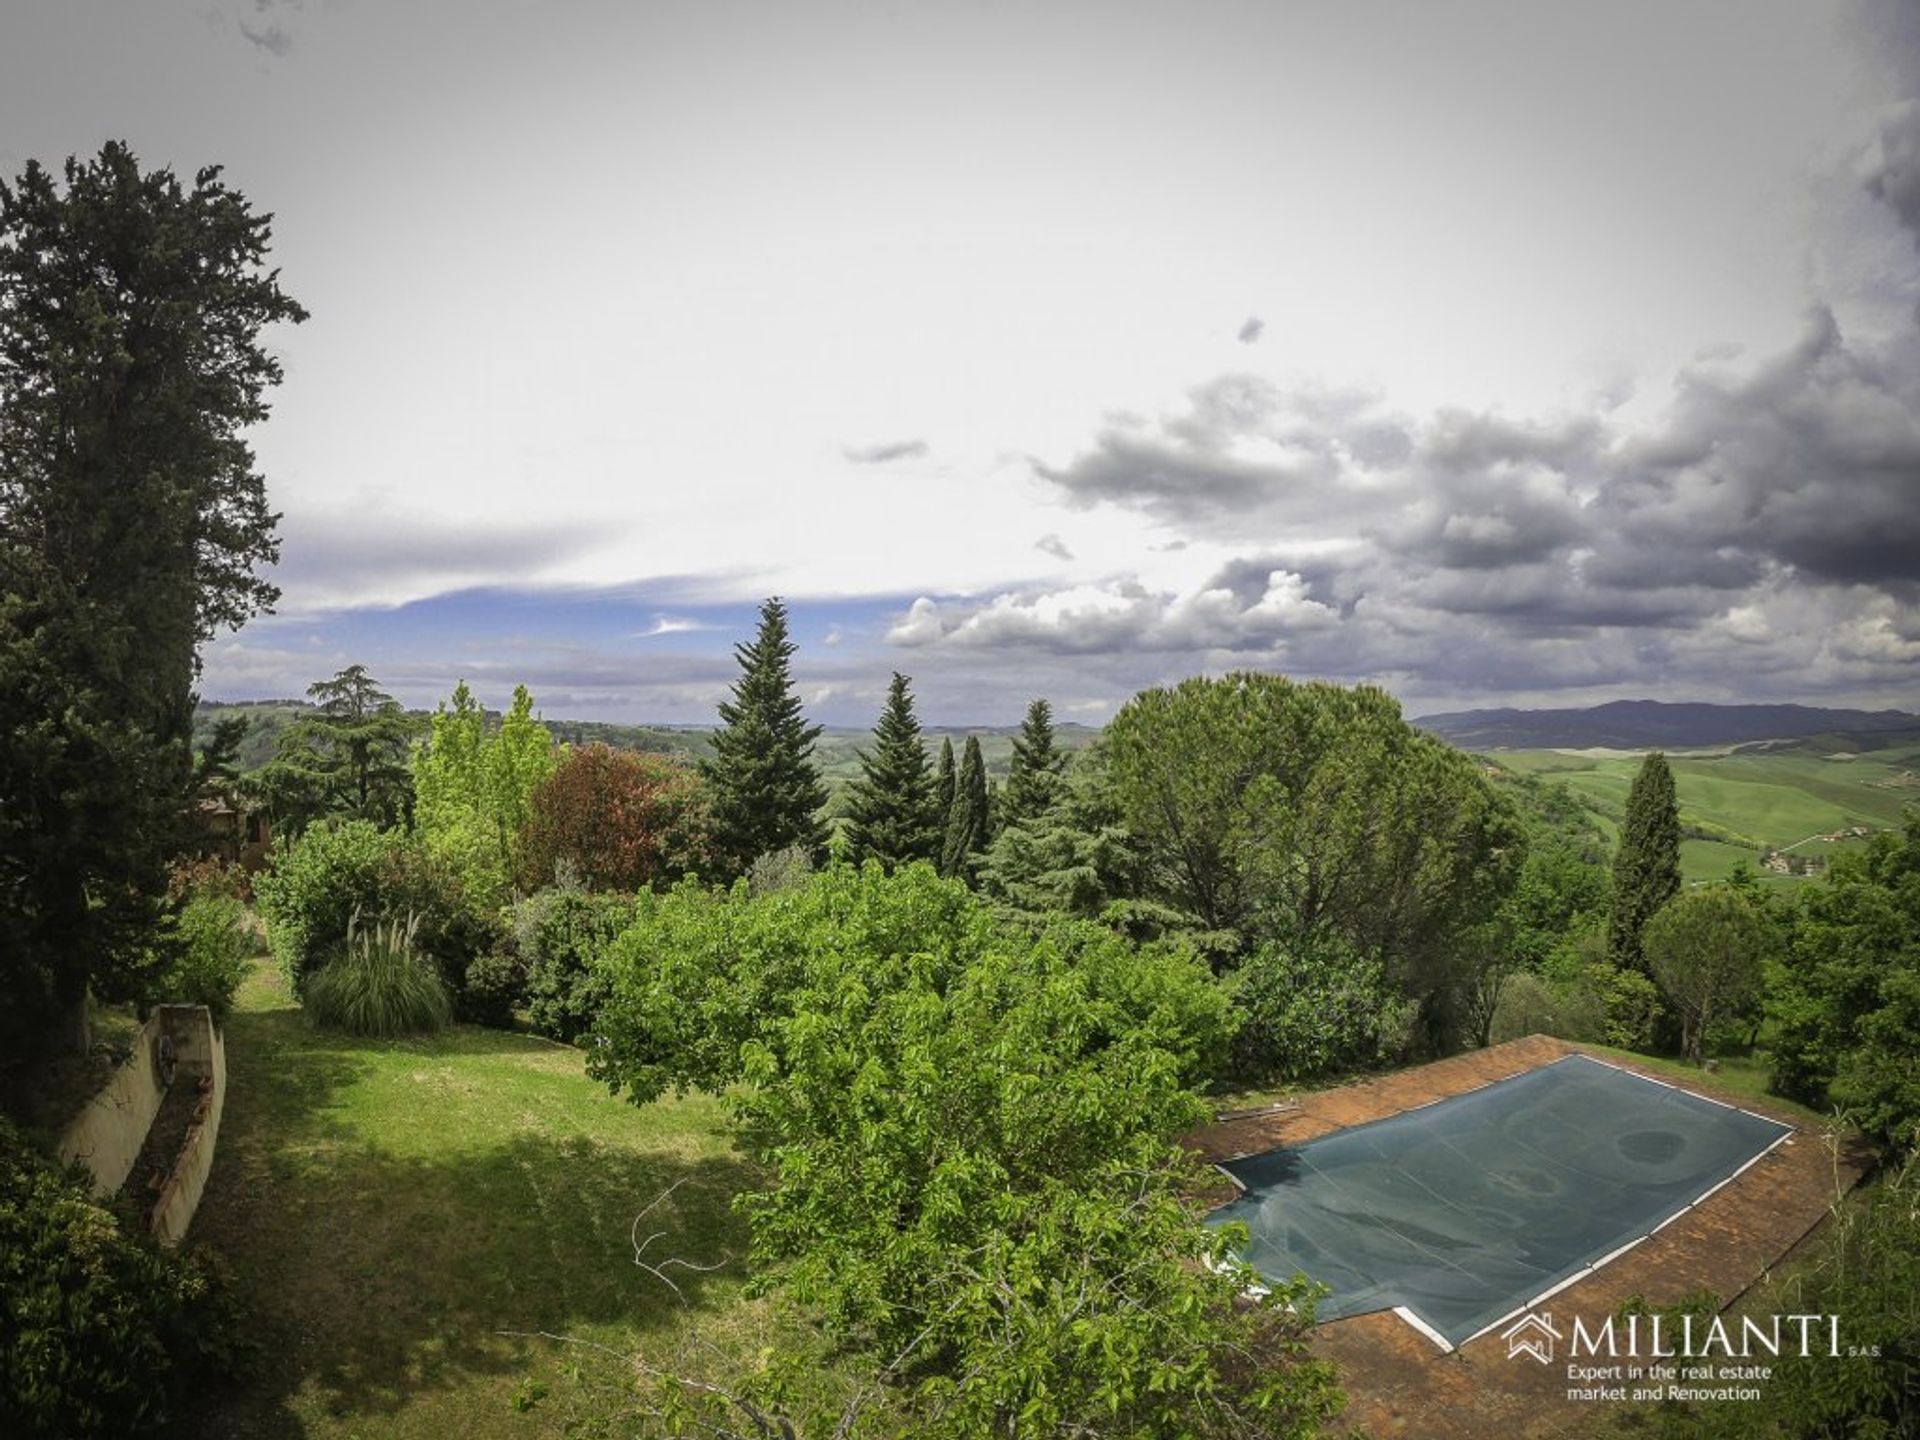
(1466, 1210)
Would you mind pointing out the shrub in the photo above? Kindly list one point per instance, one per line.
(380, 985)
(492, 987)
(318, 883)
(1633, 1009)
(101, 1333)
(1315, 1005)
(779, 870)
(561, 934)
(1529, 1005)
(208, 948)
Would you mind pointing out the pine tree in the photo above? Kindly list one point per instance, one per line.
(966, 832)
(1646, 867)
(891, 816)
(764, 788)
(1034, 777)
(943, 781)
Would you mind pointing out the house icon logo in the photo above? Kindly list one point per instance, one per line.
(1531, 1335)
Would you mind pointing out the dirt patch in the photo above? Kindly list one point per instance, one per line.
(182, 1105)
(1402, 1384)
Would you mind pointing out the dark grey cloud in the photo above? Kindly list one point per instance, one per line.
(273, 38)
(888, 450)
(1251, 329)
(1762, 535)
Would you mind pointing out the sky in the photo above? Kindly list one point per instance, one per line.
(1493, 351)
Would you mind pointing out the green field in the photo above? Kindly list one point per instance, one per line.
(390, 1207)
(1739, 803)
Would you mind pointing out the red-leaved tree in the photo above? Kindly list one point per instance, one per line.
(618, 820)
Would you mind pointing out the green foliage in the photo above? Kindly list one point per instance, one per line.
(347, 757)
(1077, 859)
(1646, 867)
(1845, 1002)
(561, 934)
(1631, 1005)
(890, 810)
(1707, 950)
(1313, 1007)
(779, 870)
(1033, 780)
(966, 812)
(474, 789)
(1267, 809)
(765, 789)
(381, 985)
(101, 1333)
(132, 523)
(314, 886)
(944, 776)
(207, 950)
(970, 1134)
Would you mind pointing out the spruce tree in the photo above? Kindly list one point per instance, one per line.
(1034, 778)
(1646, 867)
(966, 833)
(764, 788)
(891, 816)
(943, 779)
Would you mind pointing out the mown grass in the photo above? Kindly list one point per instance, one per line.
(390, 1207)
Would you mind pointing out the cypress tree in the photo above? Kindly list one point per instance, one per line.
(1646, 867)
(966, 833)
(891, 816)
(1034, 777)
(943, 778)
(765, 791)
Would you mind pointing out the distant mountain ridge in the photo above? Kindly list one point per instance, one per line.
(1654, 724)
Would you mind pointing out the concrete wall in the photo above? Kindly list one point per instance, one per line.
(203, 1062)
(108, 1134)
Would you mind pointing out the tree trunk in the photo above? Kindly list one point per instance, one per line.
(76, 1028)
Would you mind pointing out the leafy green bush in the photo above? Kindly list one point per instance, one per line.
(209, 945)
(101, 1333)
(561, 934)
(972, 1138)
(380, 985)
(492, 987)
(1314, 1005)
(316, 885)
(1530, 1005)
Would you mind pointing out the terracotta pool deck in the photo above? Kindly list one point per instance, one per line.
(1400, 1383)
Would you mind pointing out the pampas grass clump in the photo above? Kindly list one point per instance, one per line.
(380, 986)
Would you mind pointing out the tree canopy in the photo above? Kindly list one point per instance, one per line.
(763, 786)
(473, 785)
(1646, 867)
(891, 816)
(133, 525)
(1033, 777)
(346, 758)
(1706, 949)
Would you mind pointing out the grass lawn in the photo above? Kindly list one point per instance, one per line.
(389, 1207)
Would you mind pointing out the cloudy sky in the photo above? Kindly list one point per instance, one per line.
(1497, 351)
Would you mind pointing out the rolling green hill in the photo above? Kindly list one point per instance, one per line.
(1740, 802)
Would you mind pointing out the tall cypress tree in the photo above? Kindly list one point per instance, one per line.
(891, 816)
(764, 789)
(943, 778)
(966, 834)
(1034, 777)
(1646, 867)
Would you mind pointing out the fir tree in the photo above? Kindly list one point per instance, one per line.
(943, 780)
(1033, 781)
(765, 791)
(966, 834)
(891, 816)
(1646, 867)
